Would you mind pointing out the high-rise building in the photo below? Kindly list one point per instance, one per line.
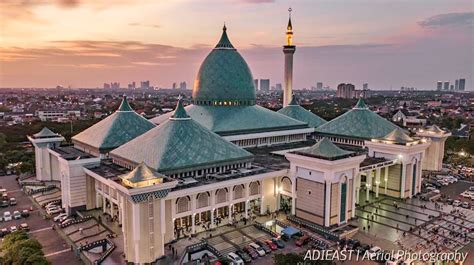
(106, 86)
(264, 84)
(365, 86)
(345, 91)
(446, 85)
(255, 83)
(174, 86)
(451, 87)
(439, 85)
(145, 84)
(462, 84)
(278, 87)
(319, 86)
(456, 84)
(289, 49)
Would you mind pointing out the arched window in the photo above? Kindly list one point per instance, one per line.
(203, 200)
(286, 184)
(182, 204)
(254, 188)
(221, 195)
(238, 191)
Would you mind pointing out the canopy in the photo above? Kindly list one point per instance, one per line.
(290, 231)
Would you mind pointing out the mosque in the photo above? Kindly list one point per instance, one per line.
(224, 155)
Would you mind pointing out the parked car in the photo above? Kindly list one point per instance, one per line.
(244, 256)
(449, 201)
(12, 201)
(252, 253)
(13, 229)
(51, 207)
(257, 249)
(58, 217)
(67, 220)
(5, 196)
(16, 215)
(7, 216)
(471, 188)
(5, 204)
(55, 210)
(265, 247)
(466, 205)
(52, 204)
(302, 241)
(4, 232)
(235, 258)
(373, 251)
(271, 245)
(278, 242)
(456, 203)
(395, 259)
(25, 213)
(24, 227)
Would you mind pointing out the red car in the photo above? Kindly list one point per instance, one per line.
(251, 252)
(271, 245)
(302, 241)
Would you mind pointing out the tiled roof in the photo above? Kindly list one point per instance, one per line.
(224, 76)
(45, 133)
(142, 173)
(180, 144)
(398, 136)
(295, 111)
(326, 149)
(115, 130)
(359, 122)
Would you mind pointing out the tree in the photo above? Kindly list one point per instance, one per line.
(19, 249)
(3, 140)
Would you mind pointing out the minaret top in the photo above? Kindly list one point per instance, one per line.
(289, 30)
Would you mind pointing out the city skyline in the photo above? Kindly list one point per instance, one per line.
(345, 41)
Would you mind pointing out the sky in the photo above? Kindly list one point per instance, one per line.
(84, 43)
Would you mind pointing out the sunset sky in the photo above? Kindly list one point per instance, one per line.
(84, 43)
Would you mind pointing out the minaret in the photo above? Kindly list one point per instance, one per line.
(288, 50)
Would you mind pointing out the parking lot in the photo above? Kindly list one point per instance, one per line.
(54, 246)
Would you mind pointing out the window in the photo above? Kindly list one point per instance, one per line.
(309, 192)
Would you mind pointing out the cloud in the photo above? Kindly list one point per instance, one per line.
(136, 24)
(465, 19)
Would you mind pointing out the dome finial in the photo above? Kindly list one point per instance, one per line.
(224, 28)
(180, 112)
(224, 42)
(124, 106)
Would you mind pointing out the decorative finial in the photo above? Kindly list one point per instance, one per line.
(224, 28)
(180, 97)
(289, 10)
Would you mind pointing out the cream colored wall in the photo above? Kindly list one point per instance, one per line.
(310, 206)
(269, 194)
(335, 195)
(434, 154)
(143, 234)
(91, 193)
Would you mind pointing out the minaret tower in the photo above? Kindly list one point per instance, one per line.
(288, 50)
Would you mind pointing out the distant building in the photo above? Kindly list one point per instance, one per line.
(446, 85)
(145, 84)
(365, 86)
(264, 84)
(456, 84)
(278, 87)
(106, 86)
(255, 83)
(319, 86)
(49, 115)
(132, 85)
(439, 86)
(462, 84)
(182, 86)
(451, 87)
(345, 91)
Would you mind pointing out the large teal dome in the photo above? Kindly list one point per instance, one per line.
(224, 78)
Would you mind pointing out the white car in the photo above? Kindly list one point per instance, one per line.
(235, 258)
(13, 229)
(51, 206)
(471, 188)
(55, 210)
(436, 191)
(59, 217)
(66, 220)
(373, 252)
(16, 215)
(457, 203)
(394, 260)
(257, 249)
(7, 216)
(430, 188)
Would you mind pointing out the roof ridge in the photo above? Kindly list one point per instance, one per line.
(179, 112)
(124, 105)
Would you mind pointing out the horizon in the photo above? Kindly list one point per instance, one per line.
(411, 44)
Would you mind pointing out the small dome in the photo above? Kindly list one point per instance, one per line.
(224, 78)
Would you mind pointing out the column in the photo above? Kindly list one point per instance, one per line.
(246, 214)
(327, 203)
(386, 180)
(193, 226)
(403, 180)
(354, 184)
(293, 196)
(377, 182)
(213, 202)
(212, 218)
(163, 224)
(368, 185)
(230, 213)
(247, 201)
(104, 207)
(261, 201)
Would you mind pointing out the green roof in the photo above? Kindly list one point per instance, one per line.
(224, 76)
(435, 129)
(142, 173)
(178, 144)
(295, 111)
(327, 150)
(45, 133)
(398, 136)
(115, 130)
(359, 122)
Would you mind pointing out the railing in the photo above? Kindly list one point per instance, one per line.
(48, 188)
(106, 253)
(315, 228)
(381, 164)
(77, 221)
